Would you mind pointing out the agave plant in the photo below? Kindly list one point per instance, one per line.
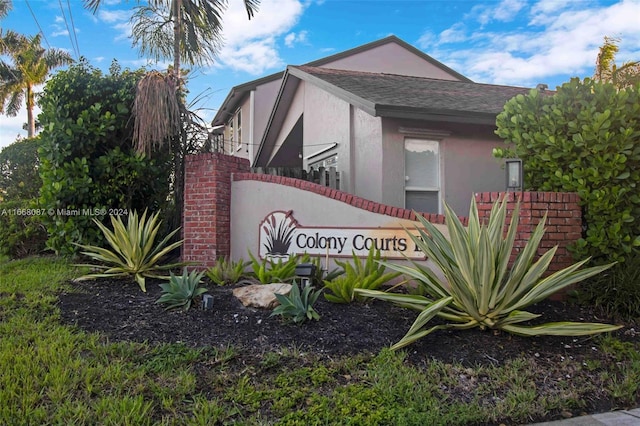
(180, 291)
(135, 251)
(298, 306)
(479, 289)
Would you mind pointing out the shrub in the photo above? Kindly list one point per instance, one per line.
(180, 291)
(135, 251)
(22, 233)
(583, 139)
(480, 290)
(297, 306)
(368, 275)
(226, 272)
(19, 178)
(616, 291)
(87, 157)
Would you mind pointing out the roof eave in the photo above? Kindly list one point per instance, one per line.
(345, 95)
(452, 116)
(237, 93)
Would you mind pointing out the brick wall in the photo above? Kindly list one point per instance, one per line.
(207, 206)
(563, 226)
(207, 215)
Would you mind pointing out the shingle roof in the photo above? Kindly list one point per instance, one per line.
(237, 92)
(397, 95)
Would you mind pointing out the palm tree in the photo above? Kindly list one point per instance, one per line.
(185, 30)
(5, 7)
(607, 71)
(31, 64)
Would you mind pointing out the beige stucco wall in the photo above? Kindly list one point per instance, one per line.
(466, 162)
(252, 201)
(264, 97)
(368, 155)
(326, 121)
(390, 58)
(371, 149)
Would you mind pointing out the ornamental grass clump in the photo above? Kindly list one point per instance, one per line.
(479, 289)
(135, 251)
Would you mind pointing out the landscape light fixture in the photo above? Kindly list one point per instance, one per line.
(513, 169)
(305, 271)
(207, 302)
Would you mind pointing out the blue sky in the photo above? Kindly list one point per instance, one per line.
(513, 42)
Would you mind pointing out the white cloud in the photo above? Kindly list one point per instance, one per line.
(504, 11)
(566, 43)
(426, 40)
(453, 34)
(251, 45)
(114, 16)
(291, 39)
(11, 128)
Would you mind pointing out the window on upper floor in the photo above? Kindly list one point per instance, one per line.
(234, 127)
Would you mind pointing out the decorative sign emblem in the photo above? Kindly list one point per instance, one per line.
(280, 235)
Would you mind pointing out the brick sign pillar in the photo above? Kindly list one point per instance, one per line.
(207, 206)
(563, 227)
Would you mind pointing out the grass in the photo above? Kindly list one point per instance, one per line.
(56, 374)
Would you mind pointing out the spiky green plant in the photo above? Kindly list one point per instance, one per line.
(180, 291)
(135, 251)
(369, 275)
(227, 271)
(297, 306)
(479, 289)
(269, 271)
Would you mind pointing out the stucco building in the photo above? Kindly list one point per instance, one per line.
(400, 127)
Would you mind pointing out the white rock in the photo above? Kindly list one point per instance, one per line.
(261, 295)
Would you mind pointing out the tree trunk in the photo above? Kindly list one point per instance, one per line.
(31, 122)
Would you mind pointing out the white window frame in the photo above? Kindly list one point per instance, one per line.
(438, 188)
(238, 128)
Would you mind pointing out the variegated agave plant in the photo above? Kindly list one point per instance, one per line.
(135, 250)
(479, 289)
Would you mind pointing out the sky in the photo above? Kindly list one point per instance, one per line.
(510, 42)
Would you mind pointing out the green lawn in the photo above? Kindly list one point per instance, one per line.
(56, 374)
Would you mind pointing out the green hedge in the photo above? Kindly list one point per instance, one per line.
(583, 138)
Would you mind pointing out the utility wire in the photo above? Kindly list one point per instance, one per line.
(73, 26)
(68, 30)
(38, 24)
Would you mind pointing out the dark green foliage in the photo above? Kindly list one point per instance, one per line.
(22, 233)
(180, 291)
(19, 178)
(586, 139)
(86, 154)
(616, 291)
(368, 275)
(297, 306)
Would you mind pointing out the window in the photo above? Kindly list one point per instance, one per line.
(422, 175)
(235, 131)
(238, 129)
